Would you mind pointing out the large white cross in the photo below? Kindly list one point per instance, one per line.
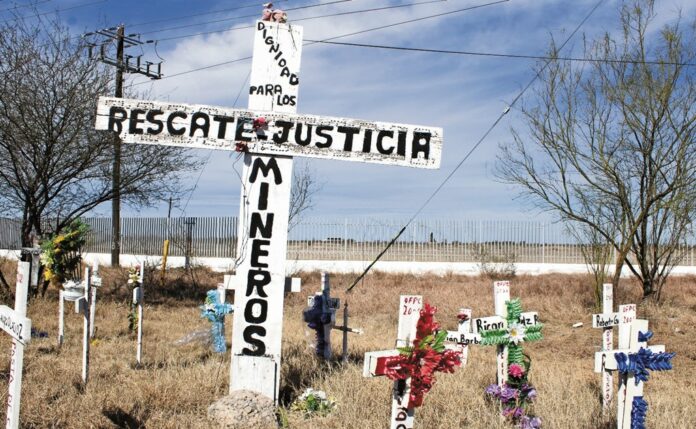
(267, 176)
(15, 323)
(606, 321)
(629, 343)
(375, 362)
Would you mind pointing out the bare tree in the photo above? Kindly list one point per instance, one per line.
(304, 188)
(53, 164)
(610, 143)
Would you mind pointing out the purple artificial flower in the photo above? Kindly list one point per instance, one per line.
(527, 422)
(508, 393)
(493, 390)
(532, 394)
(514, 412)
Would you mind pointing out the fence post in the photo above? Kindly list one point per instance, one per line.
(543, 243)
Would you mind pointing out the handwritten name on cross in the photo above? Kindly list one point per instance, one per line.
(16, 324)
(375, 362)
(507, 329)
(632, 360)
(461, 338)
(263, 226)
(606, 321)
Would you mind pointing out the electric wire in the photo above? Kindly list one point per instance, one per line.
(53, 11)
(178, 18)
(499, 55)
(20, 6)
(409, 21)
(256, 15)
(471, 151)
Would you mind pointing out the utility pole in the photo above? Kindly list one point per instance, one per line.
(116, 168)
(122, 62)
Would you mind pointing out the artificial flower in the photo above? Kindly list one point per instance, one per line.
(516, 333)
(515, 370)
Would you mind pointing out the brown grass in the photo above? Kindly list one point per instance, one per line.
(177, 383)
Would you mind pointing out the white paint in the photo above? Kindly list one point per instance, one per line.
(95, 283)
(262, 246)
(488, 323)
(14, 396)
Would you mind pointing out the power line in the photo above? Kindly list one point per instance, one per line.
(409, 21)
(20, 6)
(377, 9)
(498, 55)
(471, 151)
(177, 18)
(256, 15)
(54, 11)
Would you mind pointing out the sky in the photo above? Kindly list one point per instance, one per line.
(462, 94)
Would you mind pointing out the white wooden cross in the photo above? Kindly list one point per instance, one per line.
(629, 343)
(138, 297)
(409, 313)
(501, 295)
(272, 133)
(15, 323)
(606, 321)
(463, 337)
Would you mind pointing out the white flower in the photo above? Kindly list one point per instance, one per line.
(516, 333)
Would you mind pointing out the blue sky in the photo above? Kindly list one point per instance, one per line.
(461, 94)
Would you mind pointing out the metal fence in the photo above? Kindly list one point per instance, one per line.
(440, 240)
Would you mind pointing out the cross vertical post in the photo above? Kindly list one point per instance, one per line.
(18, 326)
(501, 295)
(86, 307)
(95, 282)
(263, 221)
(627, 316)
(607, 344)
(138, 299)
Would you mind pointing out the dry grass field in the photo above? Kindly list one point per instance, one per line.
(177, 383)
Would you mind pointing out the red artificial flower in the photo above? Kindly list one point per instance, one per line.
(422, 361)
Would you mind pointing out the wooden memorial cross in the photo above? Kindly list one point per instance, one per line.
(496, 330)
(461, 338)
(374, 365)
(270, 133)
(606, 321)
(15, 323)
(138, 296)
(633, 359)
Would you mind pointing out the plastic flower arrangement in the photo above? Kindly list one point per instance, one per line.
(427, 356)
(133, 282)
(215, 312)
(313, 402)
(516, 396)
(60, 253)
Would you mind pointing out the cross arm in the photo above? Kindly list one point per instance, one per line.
(375, 362)
(463, 338)
(607, 356)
